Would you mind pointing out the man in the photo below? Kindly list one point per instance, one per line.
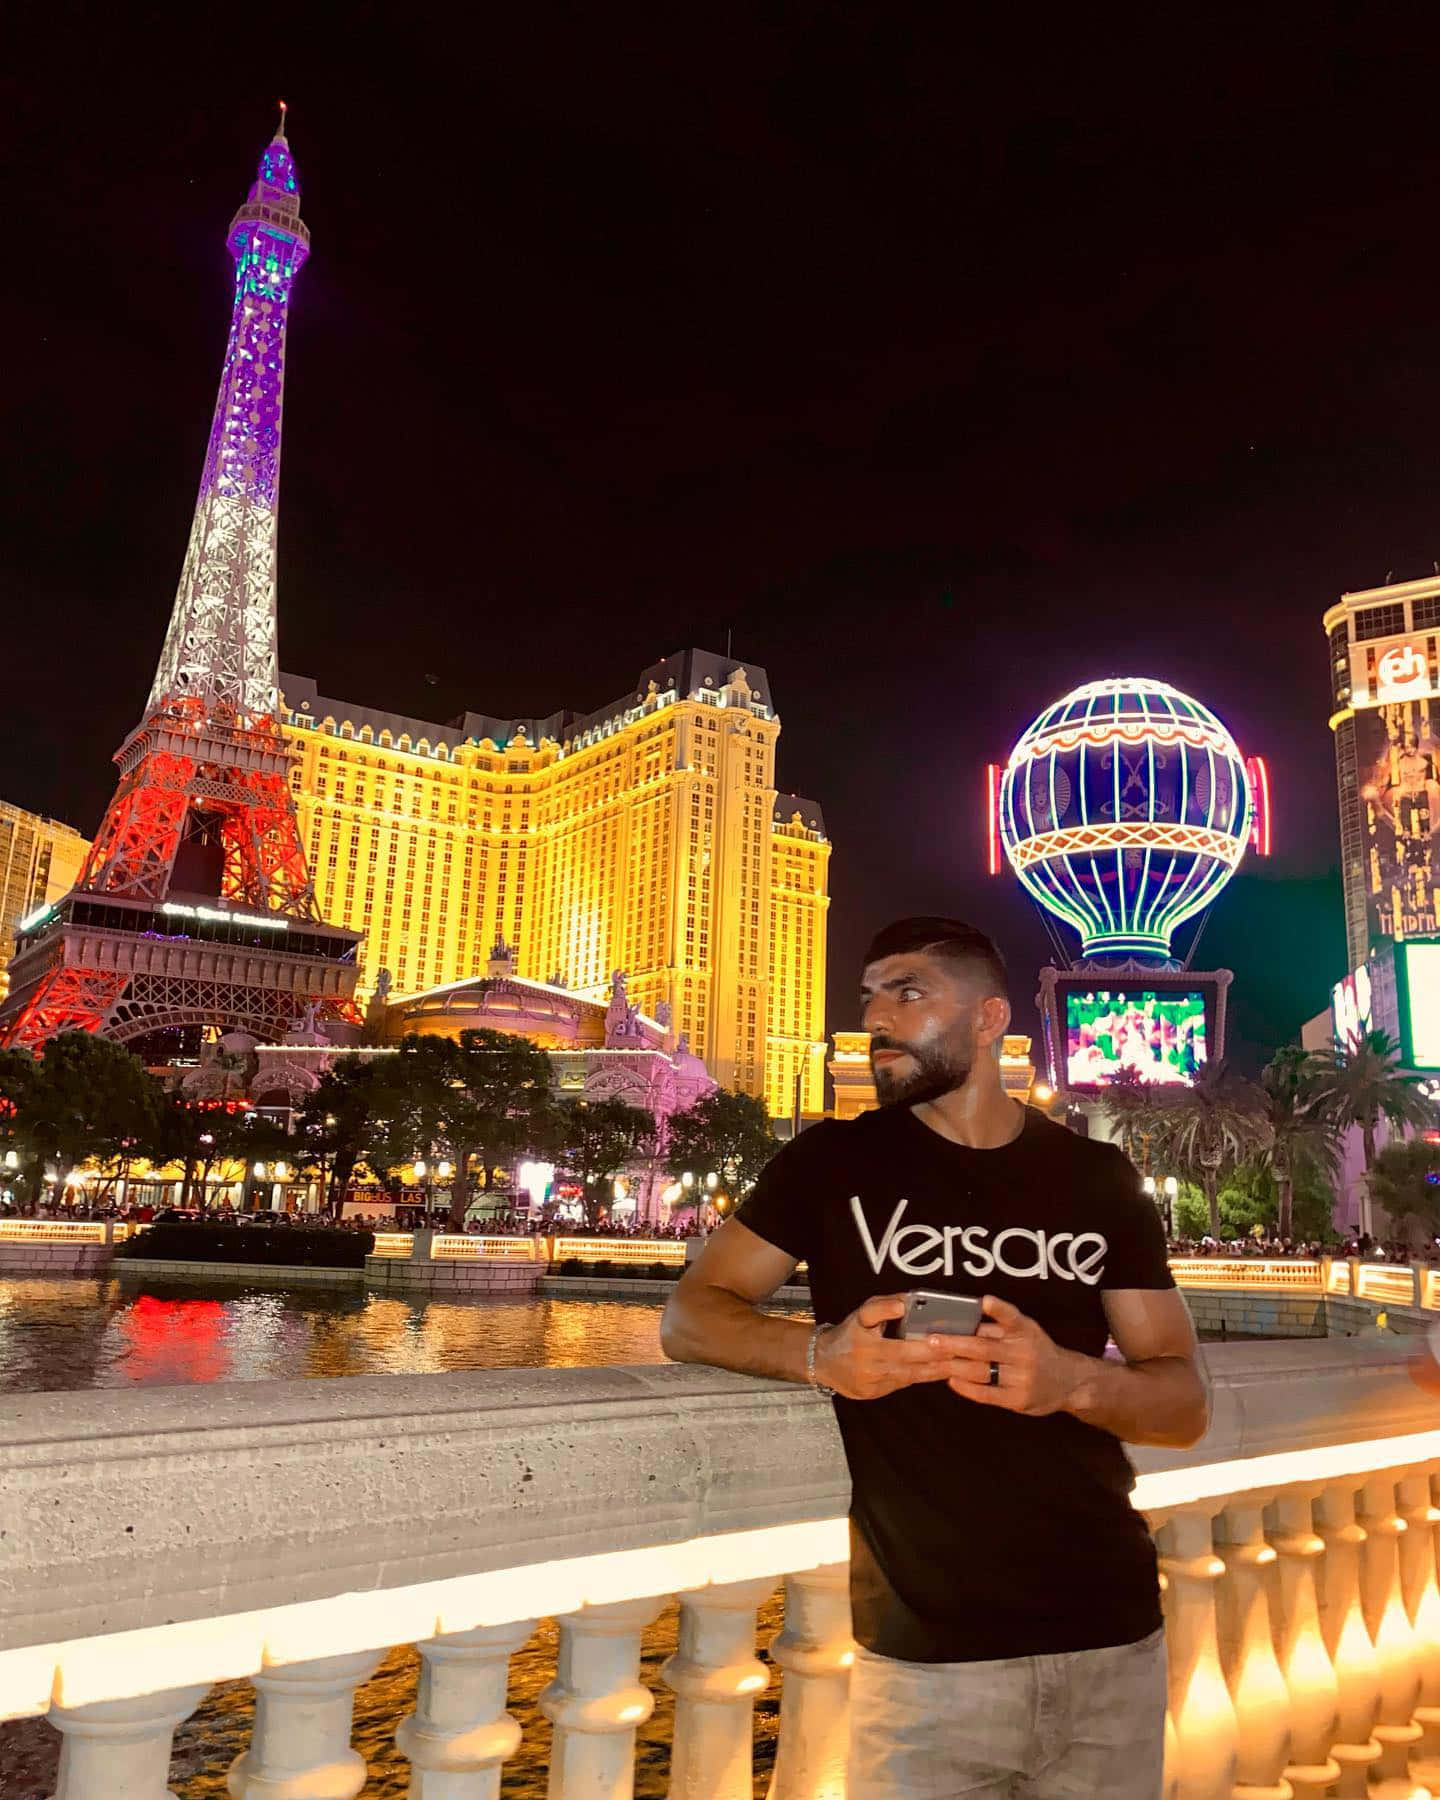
(1003, 1590)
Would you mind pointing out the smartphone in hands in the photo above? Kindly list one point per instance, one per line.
(928, 1314)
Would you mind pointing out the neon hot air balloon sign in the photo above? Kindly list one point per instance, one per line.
(1123, 810)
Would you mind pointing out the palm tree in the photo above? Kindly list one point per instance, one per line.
(1211, 1127)
(1360, 1082)
(1299, 1132)
(1138, 1111)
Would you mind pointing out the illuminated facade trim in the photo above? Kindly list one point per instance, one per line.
(39, 861)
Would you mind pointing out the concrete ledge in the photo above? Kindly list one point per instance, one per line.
(388, 1274)
(283, 1274)
(54, 1259)
(134, 1507)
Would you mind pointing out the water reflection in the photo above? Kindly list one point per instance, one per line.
(79, 1334)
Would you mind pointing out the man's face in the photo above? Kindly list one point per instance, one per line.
(924, 1018)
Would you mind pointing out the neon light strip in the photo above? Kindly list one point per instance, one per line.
(1115, 761)
(1085, 820)
(1143, 887)
(1260, 812)
(992, 823)
(1065, 738)
(1132, 834)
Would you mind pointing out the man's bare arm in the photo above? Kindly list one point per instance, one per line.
(713, 1317)
(1156, 1396)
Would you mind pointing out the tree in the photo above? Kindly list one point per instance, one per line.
(1405, 1180)
(725, 1133)
(199, 1137)
(1361, 1082)
(337, 1122)
(1138, 1111)
(485, 1096)
(598, 1138)
(85, 1097)
(1211, 1127)
(19, 1072)
(1300, 1132)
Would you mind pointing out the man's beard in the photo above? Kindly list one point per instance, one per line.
(936, 1072)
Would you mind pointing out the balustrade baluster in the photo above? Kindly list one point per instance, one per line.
(1300, 1644)
(1352, 1655)
(716, 1675)
(300, 1747)
(1394, 1640)
(120, 1749)
(460, 1734)
(1170, 1786)
(815, 1650)
(596, 1700)
(1422, 1605)
(1247, 1654)
(1200, 1704)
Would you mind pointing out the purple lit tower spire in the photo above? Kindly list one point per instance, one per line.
(220, 646)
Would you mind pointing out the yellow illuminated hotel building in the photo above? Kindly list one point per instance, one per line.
(39, 860)
(647, 837)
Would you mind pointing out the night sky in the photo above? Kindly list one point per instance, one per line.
(943, 365)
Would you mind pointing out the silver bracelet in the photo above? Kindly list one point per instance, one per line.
(810, 1376)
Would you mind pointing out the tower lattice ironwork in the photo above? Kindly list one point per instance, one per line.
(199, 849)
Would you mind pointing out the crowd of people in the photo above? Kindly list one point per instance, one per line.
(1363, 1246)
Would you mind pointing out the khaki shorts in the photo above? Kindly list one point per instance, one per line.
(1071, 1727)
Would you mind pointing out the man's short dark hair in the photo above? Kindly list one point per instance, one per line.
(951, 939)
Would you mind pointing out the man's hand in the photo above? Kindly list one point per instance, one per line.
(1036, 1375)
(857, 1359)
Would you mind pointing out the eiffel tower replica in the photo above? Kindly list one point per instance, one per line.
(194, 914)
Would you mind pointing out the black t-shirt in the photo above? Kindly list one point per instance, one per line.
(977, 1532)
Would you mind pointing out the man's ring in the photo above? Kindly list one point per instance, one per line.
(994, 1374)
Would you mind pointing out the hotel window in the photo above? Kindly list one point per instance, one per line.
(1380, 621)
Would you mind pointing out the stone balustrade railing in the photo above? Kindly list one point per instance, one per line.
(159, 1540)
(66, 1231)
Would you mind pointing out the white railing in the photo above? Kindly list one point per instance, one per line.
(1246, 1272)
(458, 1247)
(1297, 1545)
(1391, 1284)
(58, 1231)
(393, 1243)
(619, 1250)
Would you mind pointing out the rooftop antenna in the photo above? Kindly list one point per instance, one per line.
(727, 643)
(284, 110)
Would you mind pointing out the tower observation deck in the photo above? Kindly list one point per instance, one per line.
(195, 913)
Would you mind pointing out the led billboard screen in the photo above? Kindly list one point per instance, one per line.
(1352, 1005)
(1422, 1004)
(1397, 751)
(1161, 1035)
